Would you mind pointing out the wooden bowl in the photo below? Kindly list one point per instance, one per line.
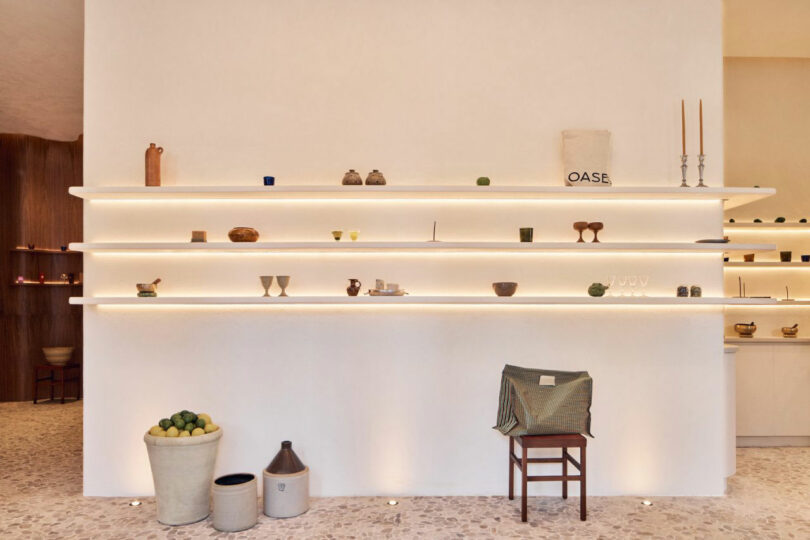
(789, 331)
(504, 288)
(745, 330)
(243, 234)
(57, 356)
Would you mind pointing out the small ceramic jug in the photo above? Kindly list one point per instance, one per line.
(153, 164)
(352, 178)
(354, 287)
(375, 178)
(597, 289)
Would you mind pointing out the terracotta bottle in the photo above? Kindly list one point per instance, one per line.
(153, 164)
(354, 287)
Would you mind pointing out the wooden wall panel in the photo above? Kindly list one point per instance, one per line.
(36, 208)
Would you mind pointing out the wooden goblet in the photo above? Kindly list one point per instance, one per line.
(596, 226)
(580, 226)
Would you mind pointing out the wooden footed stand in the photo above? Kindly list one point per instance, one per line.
(565, 442)
(68, 373)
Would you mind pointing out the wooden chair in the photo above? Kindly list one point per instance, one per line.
(565, 441)
(65, 377)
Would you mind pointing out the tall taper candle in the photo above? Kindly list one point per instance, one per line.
(701, 126)
(683, 129)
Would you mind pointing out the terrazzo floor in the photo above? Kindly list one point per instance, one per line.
(41, 497)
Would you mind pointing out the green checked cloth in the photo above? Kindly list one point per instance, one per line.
(527, 408)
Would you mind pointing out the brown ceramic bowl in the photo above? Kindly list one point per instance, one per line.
(243, 234)
(745, 330)
(504, 288)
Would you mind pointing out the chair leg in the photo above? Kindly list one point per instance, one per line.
(36, 375)
(511, 470)
(524, 469)
(50, 383)
(79, 384)
(565, 471)
(62, 386)
(582, 489)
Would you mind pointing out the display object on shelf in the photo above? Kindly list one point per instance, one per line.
(353, 235)
(57, 356)
(269, 180)
(375, 178)
(20, 280)
(482, 181)
(337, 235)
(695, 291)
(286, 484)
(780, 219)
(62, 248)
(805, 258)
(31, 246)
(267, 281)
(283, 282)
(595, 227)
(199, 236)
(504, 288)
(682, 291)
(785, 256)
(243, 234)
(148, 290)
(236, 502)
(153, 165)
(352, 178)
(790, 331)
(42, 278)
(526, 234)
(580, 227)
(748, 257)
(597, 289)
(586, 157)
(745, 330)
(354, 287)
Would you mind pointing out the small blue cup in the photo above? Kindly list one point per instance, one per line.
(805, 258)
(269, 180)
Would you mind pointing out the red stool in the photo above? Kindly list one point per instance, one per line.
(65, 377)
(565, 441)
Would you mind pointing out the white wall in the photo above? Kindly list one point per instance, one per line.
(41, 66)
(398, 401)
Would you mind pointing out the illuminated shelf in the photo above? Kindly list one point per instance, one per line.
(426, 300)
(789, 303)
(348, 246)
(43, 251)
(766, 340)
(46, 284)
(767, 264)
(772, 226)
(732, 196)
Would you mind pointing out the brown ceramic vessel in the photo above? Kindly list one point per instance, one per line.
(243, 234)
(504, 288)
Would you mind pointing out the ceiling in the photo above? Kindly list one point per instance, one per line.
(41, 67)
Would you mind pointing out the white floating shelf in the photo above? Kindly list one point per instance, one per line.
(767, 264)
(777, 226)
(789, 303)
(732, 196)
(348, 246)
(766, 340)
(426, 300)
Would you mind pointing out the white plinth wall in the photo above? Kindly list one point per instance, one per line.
(400, 399)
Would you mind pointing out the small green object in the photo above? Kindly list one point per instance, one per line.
(597, 289)
(176, 416)
(732, 220)
(165, 423)
(779, 220)
(189, 427)
(179, 423)
(200, 422)
(756, 186)
(482, 181)
(189, 417)
(145, 294)
(757, 220)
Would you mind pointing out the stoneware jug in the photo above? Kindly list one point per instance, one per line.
(286, 484)
(375, 178)
(354, 287)
(352, 178)
(153, 164)
(235, 502)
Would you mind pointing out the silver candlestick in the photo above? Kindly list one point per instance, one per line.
(683, 171)
(701, 157)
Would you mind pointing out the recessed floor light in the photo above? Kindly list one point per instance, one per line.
(134, 503)
(646, 503)
(392, 502)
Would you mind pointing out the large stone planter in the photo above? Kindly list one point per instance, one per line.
(182, 470)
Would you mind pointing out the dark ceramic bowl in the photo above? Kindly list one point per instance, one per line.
(504, 288)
